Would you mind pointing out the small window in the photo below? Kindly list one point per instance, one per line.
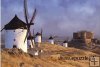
(14, 46)
(14, 39)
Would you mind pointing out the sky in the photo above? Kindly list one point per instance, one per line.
(56, 17)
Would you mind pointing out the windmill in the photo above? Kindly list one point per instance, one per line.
(65, 43)
(51, 40)
(17, 31)
(28, 24)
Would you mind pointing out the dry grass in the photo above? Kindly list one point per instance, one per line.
(48, 58)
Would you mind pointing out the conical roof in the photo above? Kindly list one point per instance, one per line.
(65, 41)
(50, 37)
(16, 23)
(38, 33)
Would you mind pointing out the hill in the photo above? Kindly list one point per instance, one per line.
(52, 56)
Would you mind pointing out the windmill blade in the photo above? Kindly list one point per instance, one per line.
(26, 11)
(28, 29)
(31, 39)
(26, 36)
(2, 29)
(33, 32)
(33, 16)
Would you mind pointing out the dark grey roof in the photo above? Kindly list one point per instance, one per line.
(50, 37)
(65, 41)
(15, 23)
(38, 33)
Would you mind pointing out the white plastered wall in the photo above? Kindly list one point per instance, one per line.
(65, 44)
(19, 36)
(51, 41)
(38, 39)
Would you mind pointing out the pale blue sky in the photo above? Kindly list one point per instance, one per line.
(59, 17)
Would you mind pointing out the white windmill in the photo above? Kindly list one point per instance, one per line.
(38, 38)
(65, 43)
(28, 35)
(51, 40)
(16, 31)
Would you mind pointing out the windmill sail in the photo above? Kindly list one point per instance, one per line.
(26, 11)
(31, 35)
(33, 17)
(27, 21)
(2, 29)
